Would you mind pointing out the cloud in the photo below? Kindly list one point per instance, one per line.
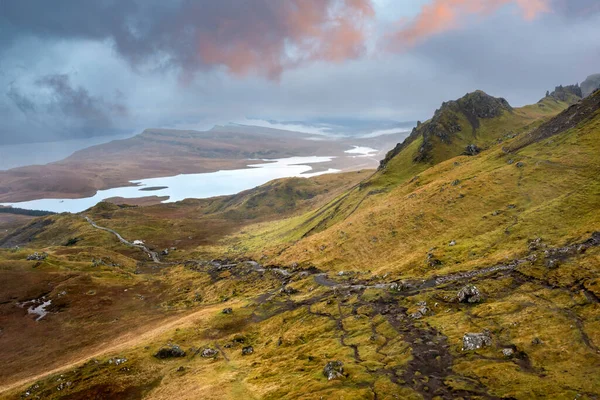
(62, 110)
(261, 36)
(445, 15)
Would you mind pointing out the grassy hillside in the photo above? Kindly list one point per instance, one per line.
(368, 270)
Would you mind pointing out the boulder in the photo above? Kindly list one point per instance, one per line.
(247, 350)
(472, 150)
(170, 351)
(508, 352)
(334, 370)
(469, 294)
(474, 341)
(209, 353)
(227, 311)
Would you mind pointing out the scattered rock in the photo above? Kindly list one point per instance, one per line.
(472, 150)
(181, 369)
(117, 361)
(520, 164)
(334, 370)
(170, 351)
(508, 352)
(536, 341)
(288, 290)
(455, 182)
(209, 353)
(432, 261)
(469, 294)
(511, 161)
(247, 350)
(227, 311)
(535, 244)
(37, 256)
(474, 341)
(452, 243)
(165, 252)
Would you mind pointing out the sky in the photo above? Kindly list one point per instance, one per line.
(72, 69)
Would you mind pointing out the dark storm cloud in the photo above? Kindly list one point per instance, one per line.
(77, 103)
(260, 35)
(22, 102)
(61, 110)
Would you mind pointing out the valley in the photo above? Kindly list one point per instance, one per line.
(467, 265)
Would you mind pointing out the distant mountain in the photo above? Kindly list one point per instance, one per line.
(590, 85)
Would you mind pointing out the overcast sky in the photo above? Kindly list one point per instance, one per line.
(71, 68)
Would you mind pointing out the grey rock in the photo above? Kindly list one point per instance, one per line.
(170, 351)
(165, 252)
(37, 256)
(227, 311)
(469, 294)
(333, 370)
(472, 150)
(474, 341)
(247, 350)
(508, 352)
(520, 164)
(452, 243)
(209, 353)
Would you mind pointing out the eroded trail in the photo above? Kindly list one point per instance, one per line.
(151, 254)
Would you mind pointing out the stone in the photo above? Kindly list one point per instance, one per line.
(333, 370)
(472, 150)
(455, 182)
(452, 243)
(165, 252)
(432, 261)
(520, 164)
(37, 256)
(475, 341)
(247, 350)
(536, 341)
(227, 311)
(508, 352)
(209, 353)
(469, 294)
(170, 351)
(288, 290)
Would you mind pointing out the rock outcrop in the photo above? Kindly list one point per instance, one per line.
(568, 94)
(334, 370)
(446, 123)
(170, 351)
(469, 294)
(475, 341)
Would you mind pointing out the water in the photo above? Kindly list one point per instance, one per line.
(185, 186)
(362, 151)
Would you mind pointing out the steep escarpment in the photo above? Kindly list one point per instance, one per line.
(454, 121)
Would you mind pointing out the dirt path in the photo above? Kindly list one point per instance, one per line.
(151, 254)
(125, 341)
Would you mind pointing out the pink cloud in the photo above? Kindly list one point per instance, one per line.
(444, 15)
(296, 32)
